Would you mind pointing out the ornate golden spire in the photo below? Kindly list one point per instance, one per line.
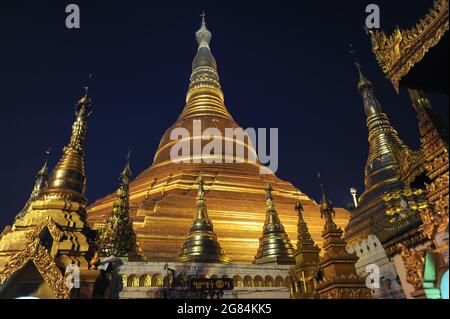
(385, 144)
(205, 96)
(364, 83)
(339, 279)
(304, 239)
(398, 53)
(274, 245)
(67, 179)
(118, 238)
(201, 244)
(306, 256)
(39, 186)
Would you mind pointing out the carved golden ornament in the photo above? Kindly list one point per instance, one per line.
(347, 293)
(414, 261)
(52, 228)
(41, 258)
(410, 163)
(399, 52)
(435, 219)
(44, 263)
(402, 205)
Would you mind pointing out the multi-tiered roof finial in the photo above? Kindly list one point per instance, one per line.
(274, 244)
(304, 238)
(327, 211)
(363, 81)
(201, 244)
(306, 259)
(337, 267)
(126, 173)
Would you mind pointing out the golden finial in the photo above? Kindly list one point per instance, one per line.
(126, 173)
(129, 155)
(325, 204)
(203, 35)
(269, 190)
(298, 206)
(200, 183)
(44, 169)
(327, 210)
(363, 81)
(203, 18)
(85, 100)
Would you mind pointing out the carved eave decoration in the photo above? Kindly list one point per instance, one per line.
(36, 253)
(399, 52)
(414, 261)
(403, 223)
(411, 163)
(52, 228)
(343, 286)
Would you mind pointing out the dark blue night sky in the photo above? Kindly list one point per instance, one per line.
(282, 64)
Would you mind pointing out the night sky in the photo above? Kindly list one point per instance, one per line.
(282, 64)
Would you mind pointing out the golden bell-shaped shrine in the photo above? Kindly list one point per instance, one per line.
(201, 244)
(274, 244)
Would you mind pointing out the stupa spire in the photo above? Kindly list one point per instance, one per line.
(385, 143)
(205, 96)
(371, 104)
(304, 272)
(118, 238)
(61, 207)
(39, 186)
(338, 276)
(201, 243)
(274, 244)
(68, 178)
(304, 238)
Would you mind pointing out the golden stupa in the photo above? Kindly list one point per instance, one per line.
(163, 195)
